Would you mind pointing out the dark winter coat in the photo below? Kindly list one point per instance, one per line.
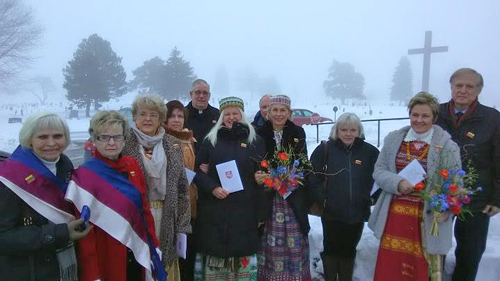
(478, 136)
(28, 252)
(299, 200)
(228, 227)
(258, 121)
(200, 122)
(349, 182)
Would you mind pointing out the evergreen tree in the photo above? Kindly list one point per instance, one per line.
(95, 74)
(179, 75)
(344, 82)
(402, 89)
(150, 77)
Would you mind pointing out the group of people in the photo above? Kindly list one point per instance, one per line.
(142, 203)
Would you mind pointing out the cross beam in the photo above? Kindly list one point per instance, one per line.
(427, 50)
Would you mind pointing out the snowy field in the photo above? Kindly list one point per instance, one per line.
(368, 246)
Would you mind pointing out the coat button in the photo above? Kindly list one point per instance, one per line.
(49, 238)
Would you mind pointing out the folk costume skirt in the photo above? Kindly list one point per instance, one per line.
(284, 253)
(225, 269)
(401, 255)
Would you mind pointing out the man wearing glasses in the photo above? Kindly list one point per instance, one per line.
(202, 116)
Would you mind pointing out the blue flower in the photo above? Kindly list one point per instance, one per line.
(300, 174)
(462, 173)
(296, 163)
(479, 189)
(292, 176)
(282, 170)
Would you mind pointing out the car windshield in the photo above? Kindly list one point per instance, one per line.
(307, 113)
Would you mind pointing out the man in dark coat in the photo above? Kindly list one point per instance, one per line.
(202, 116)
(476, 130)
(261, 116)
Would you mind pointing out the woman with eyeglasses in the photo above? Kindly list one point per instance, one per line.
(123, 243)
(159, 155)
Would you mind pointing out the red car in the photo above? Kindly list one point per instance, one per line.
(306, 117)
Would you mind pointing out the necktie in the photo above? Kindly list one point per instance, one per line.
(458, 115)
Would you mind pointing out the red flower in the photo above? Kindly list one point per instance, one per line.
(282, 190)
(453, 188)
(466, 200)
(283, 156)
(268, 182)
(419, 186)
(456, 210)
(264, 163)
(444, 173)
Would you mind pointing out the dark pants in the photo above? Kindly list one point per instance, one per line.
(186, 266)
(340, 239)
(471, 236)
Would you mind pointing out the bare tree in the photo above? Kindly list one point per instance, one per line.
(40, 87)
(19, 35)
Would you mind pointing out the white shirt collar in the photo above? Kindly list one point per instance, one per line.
(425, 137)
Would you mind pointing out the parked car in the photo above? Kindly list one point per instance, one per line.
(306, 117)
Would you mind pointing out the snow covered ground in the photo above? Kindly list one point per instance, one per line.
(368, 246)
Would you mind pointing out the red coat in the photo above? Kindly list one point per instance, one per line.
(100, 256)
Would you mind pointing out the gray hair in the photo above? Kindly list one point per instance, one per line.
(151, 102)
(465, 70)
(199, 81)
(105, 119)
(347, 119)
(42, 121)
(212, 135)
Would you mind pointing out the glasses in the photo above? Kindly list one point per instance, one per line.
(201, 93)
(106, 138)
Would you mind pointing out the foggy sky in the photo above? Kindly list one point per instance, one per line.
(294, 41)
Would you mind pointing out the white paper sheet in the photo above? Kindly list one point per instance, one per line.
(181, 245)
(190, 175)
(229, 176)
(413, 172)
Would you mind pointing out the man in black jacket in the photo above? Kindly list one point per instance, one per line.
(202, 116)
(476, 130)
(261, 115)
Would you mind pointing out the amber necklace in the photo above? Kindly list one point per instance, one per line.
(408, 155)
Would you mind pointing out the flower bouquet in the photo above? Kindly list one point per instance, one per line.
(285, 171)
(452, 192)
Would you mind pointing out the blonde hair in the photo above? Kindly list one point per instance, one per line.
(347, 119)
(42, 121)
(105, 119)
(151, 102)
(426, 99)
(212, 135)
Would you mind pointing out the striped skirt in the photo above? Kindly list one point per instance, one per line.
(284, 253)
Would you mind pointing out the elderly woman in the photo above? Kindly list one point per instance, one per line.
(343, 169)
(226, 228)
(400, 217)
(284, 253)
(37, 225)
(123, 244)
(160, 158)
(177, 116)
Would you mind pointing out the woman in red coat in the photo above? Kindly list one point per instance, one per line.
(122, 245)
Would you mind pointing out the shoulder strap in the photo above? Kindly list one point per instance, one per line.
(325, 162)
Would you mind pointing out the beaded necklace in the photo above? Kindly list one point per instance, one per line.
(408, 155)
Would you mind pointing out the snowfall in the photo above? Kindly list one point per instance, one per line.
(368, 246)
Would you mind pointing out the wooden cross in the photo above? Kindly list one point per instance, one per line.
(427, 50)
